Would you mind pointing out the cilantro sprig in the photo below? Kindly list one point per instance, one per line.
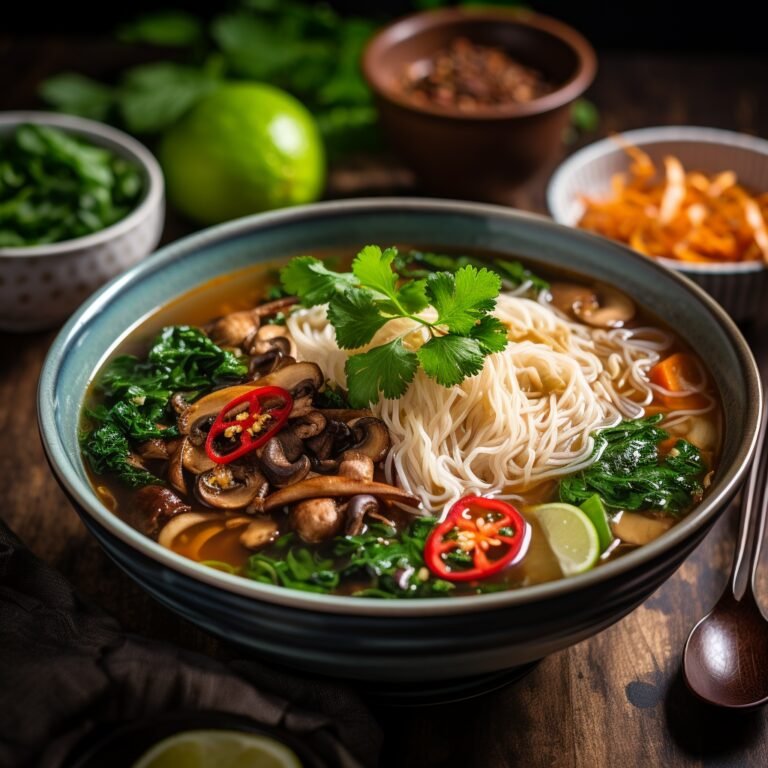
(460, 327)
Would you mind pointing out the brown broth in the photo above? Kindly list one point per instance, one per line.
(207, 542)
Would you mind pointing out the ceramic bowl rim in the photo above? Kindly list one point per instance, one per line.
(122, 144)
(83, 494)
(642, 137)
(402, 28)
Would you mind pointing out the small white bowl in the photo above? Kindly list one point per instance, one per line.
(741, 288)
(41, 285)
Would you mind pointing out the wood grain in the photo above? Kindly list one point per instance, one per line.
(614, 700)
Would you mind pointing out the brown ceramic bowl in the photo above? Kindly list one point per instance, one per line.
(486, 154)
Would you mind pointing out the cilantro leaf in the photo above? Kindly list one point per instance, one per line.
(413, 296)
(450, 359)
(389, 369)
(491, 334)
(355, 318)
(463, 298)
(373, 268)
(309, 279)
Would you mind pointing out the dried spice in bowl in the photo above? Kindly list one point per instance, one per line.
(471, 77)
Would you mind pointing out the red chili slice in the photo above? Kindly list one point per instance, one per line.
(269, 421)
(467, 528)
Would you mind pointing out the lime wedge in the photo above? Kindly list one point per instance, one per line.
(571, 536)
(594, 509)
(218, 749)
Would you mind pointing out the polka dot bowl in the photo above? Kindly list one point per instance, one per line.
(41, 286)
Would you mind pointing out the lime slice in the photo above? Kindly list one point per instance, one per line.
(218, 749)
(594, 509)
(571, 536)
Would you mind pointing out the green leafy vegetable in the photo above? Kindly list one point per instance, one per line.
(421, 264)
(460, 330)
(167, 28)
(629, 473)
(56, 187)
(137, 396)
(307, 49)
(377, 563)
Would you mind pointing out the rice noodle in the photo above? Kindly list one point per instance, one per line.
(524, 419)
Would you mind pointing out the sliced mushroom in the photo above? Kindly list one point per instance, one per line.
(273, 307)
(316, 520)
(357, 509)
(268, 362)
(229, 486)
(356, 466)
(602, 307)
(179, 524)
(233, 329)
(319, 487)
(179, 402)
(371, 437)
(279, 470)
(158, 505)
(299, 379)
(345, 415)
(260, 346)
(335, 438)
(309, 425)
(194, 458)
(176, 468)
(198, 416)
(259, 533)
(302, 406)
(156, 448)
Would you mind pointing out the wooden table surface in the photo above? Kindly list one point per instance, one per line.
(614, 700)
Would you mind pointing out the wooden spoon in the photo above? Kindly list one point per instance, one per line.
(725, 661)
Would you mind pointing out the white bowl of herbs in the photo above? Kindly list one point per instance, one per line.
(80, 202)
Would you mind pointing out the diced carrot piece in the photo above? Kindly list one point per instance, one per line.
(675, 374)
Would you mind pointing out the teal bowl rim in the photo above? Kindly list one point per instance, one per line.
(81, 491)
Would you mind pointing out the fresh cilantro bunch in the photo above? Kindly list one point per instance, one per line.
(461, 329)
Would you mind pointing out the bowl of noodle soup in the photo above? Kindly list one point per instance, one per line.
(527, 427)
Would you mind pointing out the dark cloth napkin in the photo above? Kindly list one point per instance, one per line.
(66, 667)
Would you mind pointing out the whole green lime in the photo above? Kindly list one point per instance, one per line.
(245, 148)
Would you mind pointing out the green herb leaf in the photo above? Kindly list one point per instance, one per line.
(310, 280)
(491, 334)
(165, 28)
(630, 474)
(389, 368)
(154, 96)
(355, 318)
(78, 95)
(462, 299)
(517, 274)
(451, 359)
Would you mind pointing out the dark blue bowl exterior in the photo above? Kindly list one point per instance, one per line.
(372, 641)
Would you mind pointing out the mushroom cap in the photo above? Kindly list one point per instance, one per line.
(259, 533)
(244, 483)
(278, 468)
(371, 437)
(316, 520)
(357, 508)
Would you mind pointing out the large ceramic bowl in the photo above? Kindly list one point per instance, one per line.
(398, 640)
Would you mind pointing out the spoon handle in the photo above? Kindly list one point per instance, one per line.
(754, 505)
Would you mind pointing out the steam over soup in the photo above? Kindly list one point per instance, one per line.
(414, 425)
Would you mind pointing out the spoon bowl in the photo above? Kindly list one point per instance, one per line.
(726, 654)
(725, 661)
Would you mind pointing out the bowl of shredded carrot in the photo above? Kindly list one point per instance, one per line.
(696, 199)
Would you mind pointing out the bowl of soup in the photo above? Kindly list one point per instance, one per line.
(399, 440)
